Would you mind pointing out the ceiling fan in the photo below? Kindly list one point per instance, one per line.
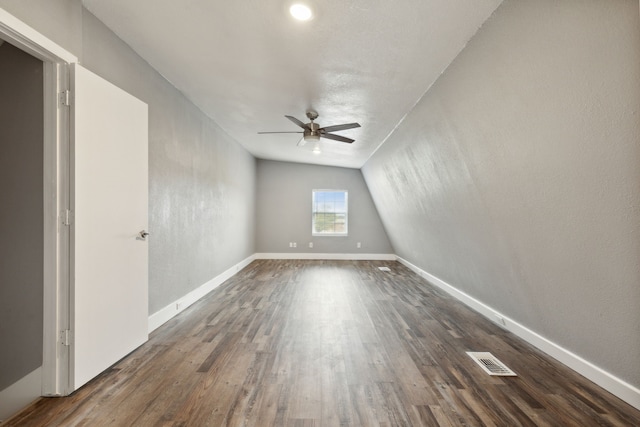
(313, 132)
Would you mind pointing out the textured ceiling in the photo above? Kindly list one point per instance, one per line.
(246, 63)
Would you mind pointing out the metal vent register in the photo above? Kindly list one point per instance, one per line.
(490, 364)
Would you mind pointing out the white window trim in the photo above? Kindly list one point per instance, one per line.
(346, 211)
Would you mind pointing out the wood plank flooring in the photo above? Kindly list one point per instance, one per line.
(330, 343)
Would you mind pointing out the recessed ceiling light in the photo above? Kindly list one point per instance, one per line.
(301, 12)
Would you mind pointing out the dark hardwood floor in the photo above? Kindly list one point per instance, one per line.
(330, 343)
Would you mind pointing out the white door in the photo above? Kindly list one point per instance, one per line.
(109, 289)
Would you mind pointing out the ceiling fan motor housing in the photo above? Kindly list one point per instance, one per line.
(312, 134)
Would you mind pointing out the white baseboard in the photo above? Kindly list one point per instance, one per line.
(609, 382)
(20, 394)
(163, 315)
(319, 256)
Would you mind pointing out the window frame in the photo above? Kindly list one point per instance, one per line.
(314, 212)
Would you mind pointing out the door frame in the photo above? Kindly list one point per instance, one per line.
(56, 186)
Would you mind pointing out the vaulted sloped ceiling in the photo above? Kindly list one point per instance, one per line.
(248, 63)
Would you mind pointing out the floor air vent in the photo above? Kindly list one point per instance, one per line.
(491, 364)
(384, 269)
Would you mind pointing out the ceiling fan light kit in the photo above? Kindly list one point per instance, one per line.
(313, 132)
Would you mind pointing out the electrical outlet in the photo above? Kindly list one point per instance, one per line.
(358, 245)
(310, 244)
(295, 245)
(290, 244)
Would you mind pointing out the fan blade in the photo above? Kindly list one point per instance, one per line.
(298, 122)
(340, 127)
(337, 138)
(260, 133)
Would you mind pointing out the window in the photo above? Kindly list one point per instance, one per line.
(329, 213)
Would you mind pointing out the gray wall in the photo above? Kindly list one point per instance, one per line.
(201, 182)
(284, 210)
(59, 20)
(21, 215)
(515, 178)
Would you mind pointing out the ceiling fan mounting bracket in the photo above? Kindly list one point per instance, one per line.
(312, 115)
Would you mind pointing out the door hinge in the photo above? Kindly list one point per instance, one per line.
(65, 98)
(67, 217)
(65, 337)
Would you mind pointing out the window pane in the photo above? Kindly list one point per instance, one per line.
(329, 212)
(329, 207)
